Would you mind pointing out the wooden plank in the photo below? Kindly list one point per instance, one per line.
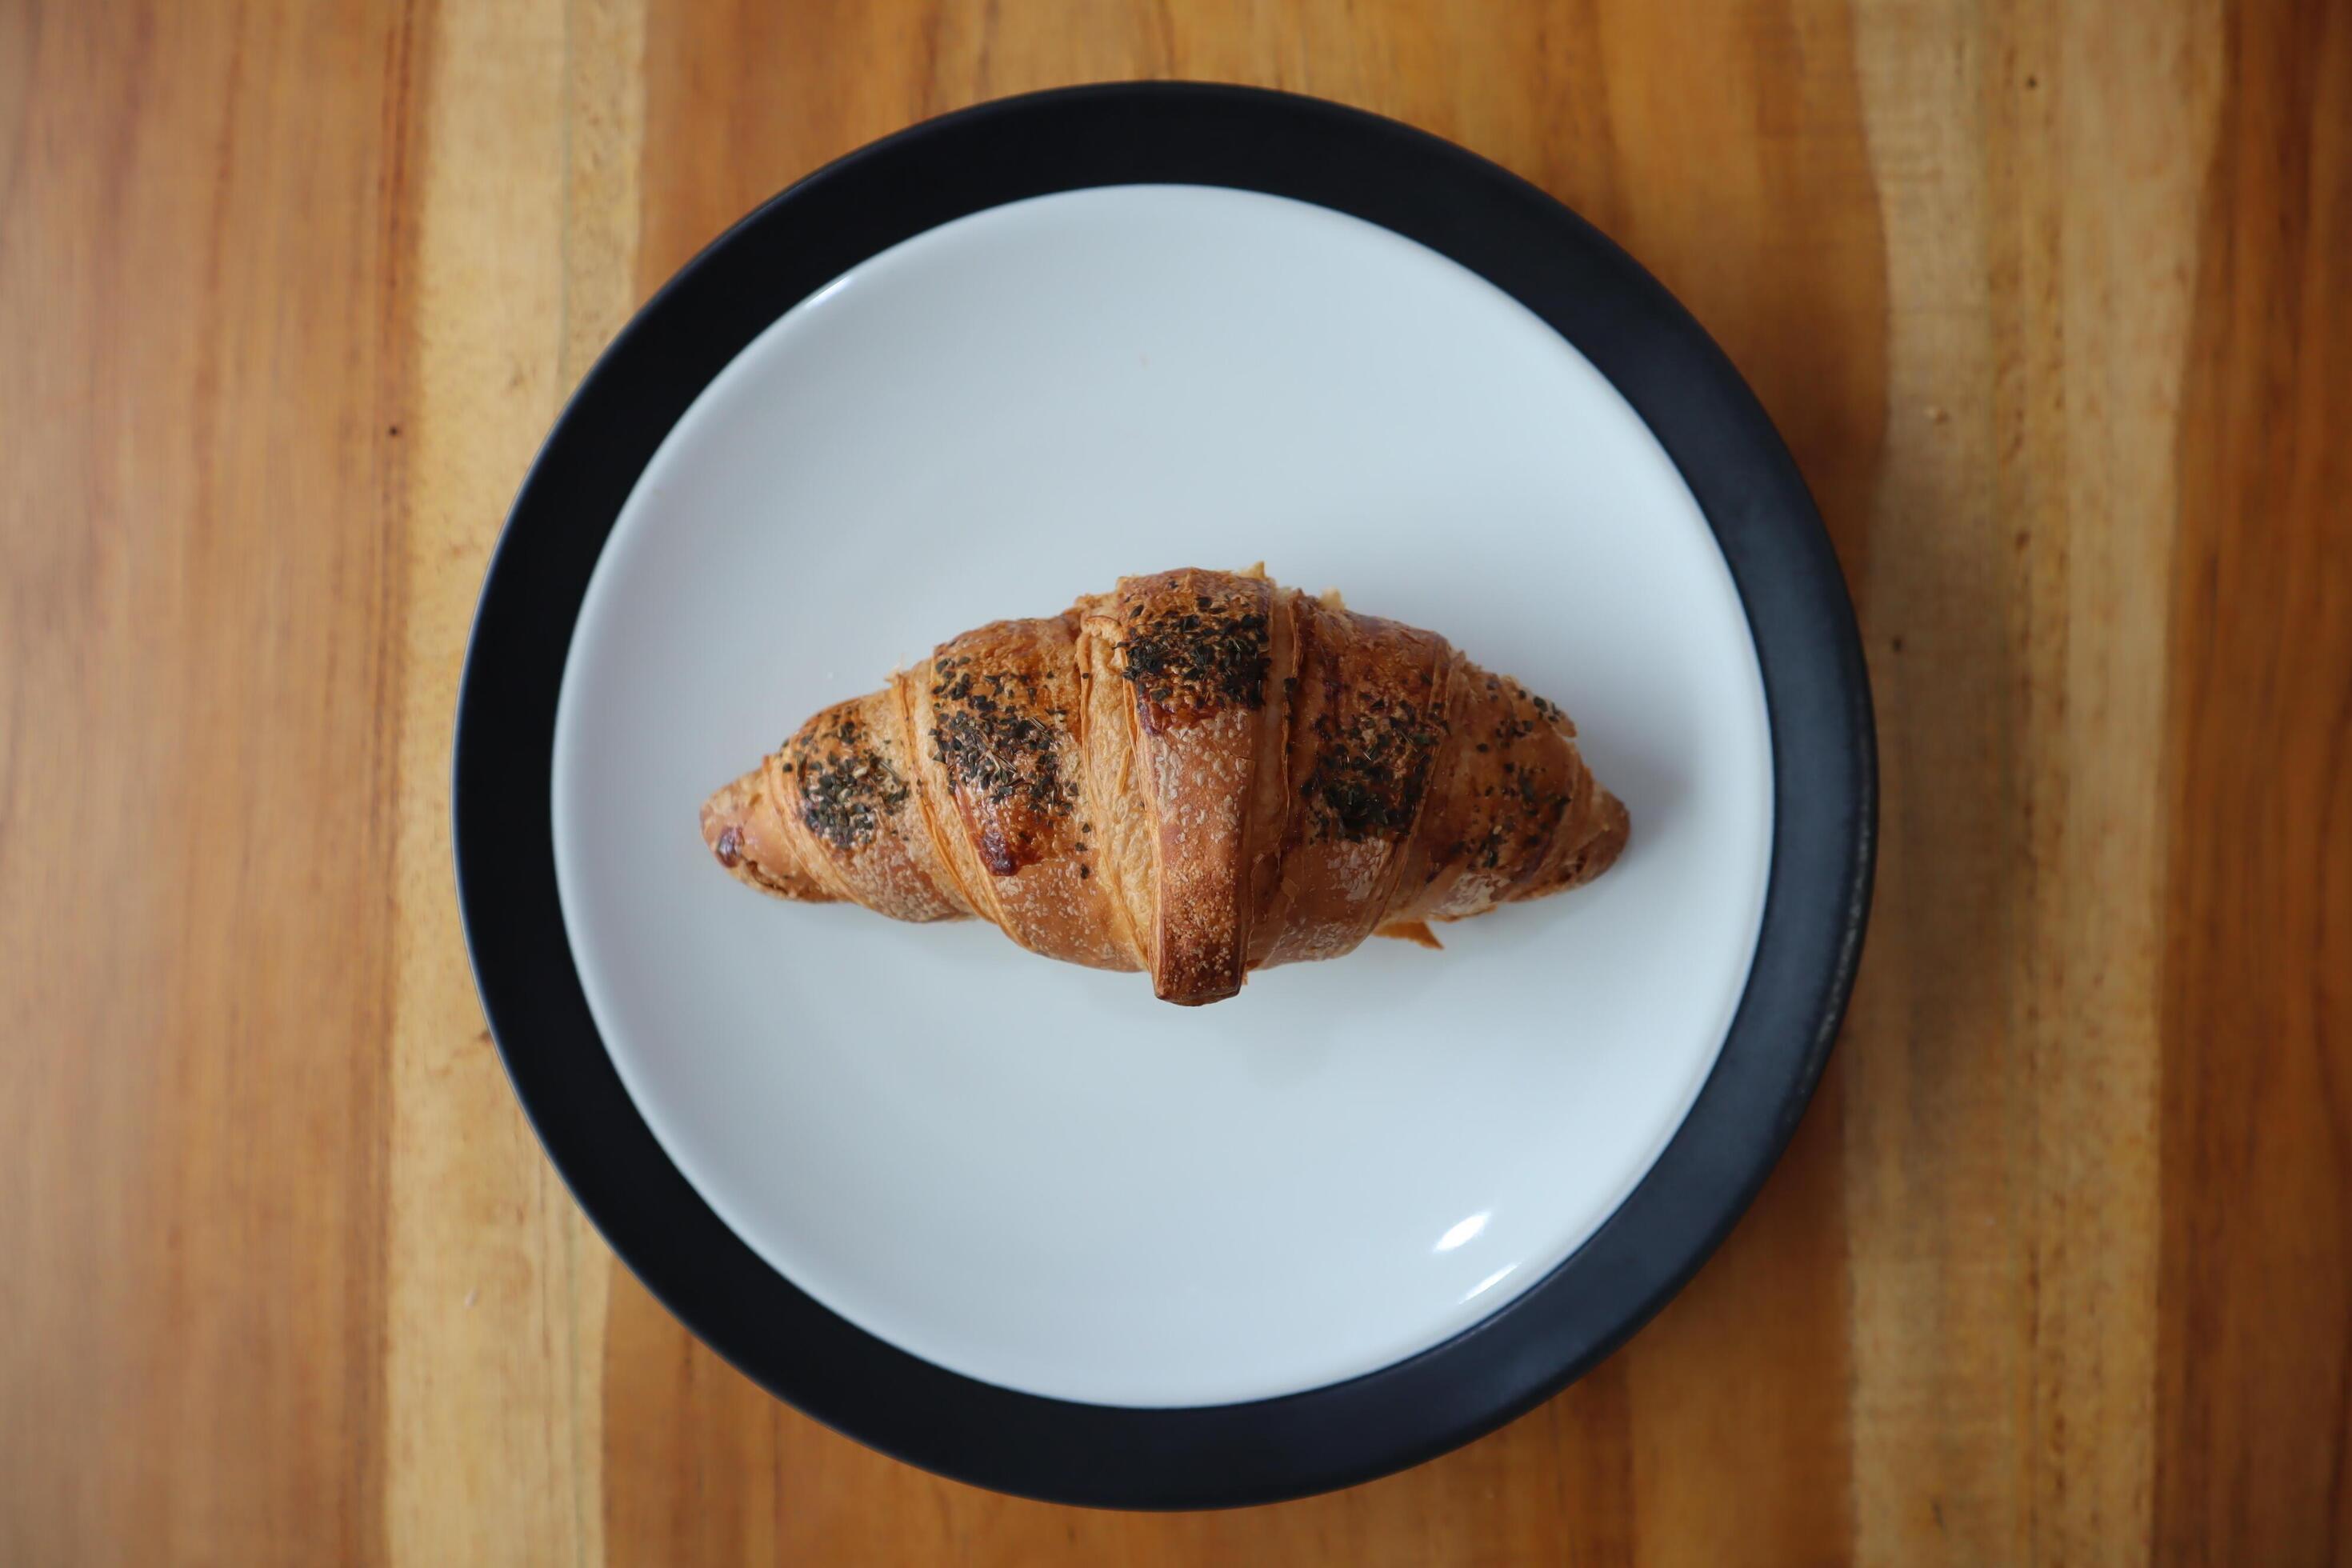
(527, 236)
(2255, 1400)
(200, 610)
(2091, 401)
(2003, 1169)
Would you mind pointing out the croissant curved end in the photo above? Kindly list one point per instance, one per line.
(1580, 863)
(746, 835)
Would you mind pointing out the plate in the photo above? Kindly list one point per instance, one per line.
(1036, 1175)
(1015, 1220)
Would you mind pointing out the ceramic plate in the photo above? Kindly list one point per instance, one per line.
(1016, 1220)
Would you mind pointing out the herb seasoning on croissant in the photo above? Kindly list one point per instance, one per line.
(1198, 774)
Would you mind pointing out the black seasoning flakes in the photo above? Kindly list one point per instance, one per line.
(845, 785)
(996, 743)
(1520, 809)
(1370, 770)
(1199, 660)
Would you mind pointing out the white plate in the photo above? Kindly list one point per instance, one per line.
(1035, 1173)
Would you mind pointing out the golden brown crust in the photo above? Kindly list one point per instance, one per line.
(836, 810)
(1001, 709)
(742, 826)
(1367, 730)
(1198, 774)
(1121, 821)
(1196, 649)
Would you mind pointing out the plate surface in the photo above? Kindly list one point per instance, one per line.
(1036, 1173)
(1013, 1220)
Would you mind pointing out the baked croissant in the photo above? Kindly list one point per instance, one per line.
(1199, 775)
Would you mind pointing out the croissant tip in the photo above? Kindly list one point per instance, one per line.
(1200, 1000)
(1600, 851)
(1590, 858)
(1198, 988)
(724, 830)
(749, 854)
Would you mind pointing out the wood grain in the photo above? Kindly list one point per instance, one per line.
(2255, 1456)
(2004, 1162)
(2049, 303)
(199, 604)
(499, 1283)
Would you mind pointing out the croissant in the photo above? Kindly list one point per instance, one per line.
(1198, 773)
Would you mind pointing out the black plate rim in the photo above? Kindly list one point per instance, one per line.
(1824, 774)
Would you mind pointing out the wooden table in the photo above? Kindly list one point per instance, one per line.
(2053, 306)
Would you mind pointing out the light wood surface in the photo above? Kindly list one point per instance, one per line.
(2052, 305)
